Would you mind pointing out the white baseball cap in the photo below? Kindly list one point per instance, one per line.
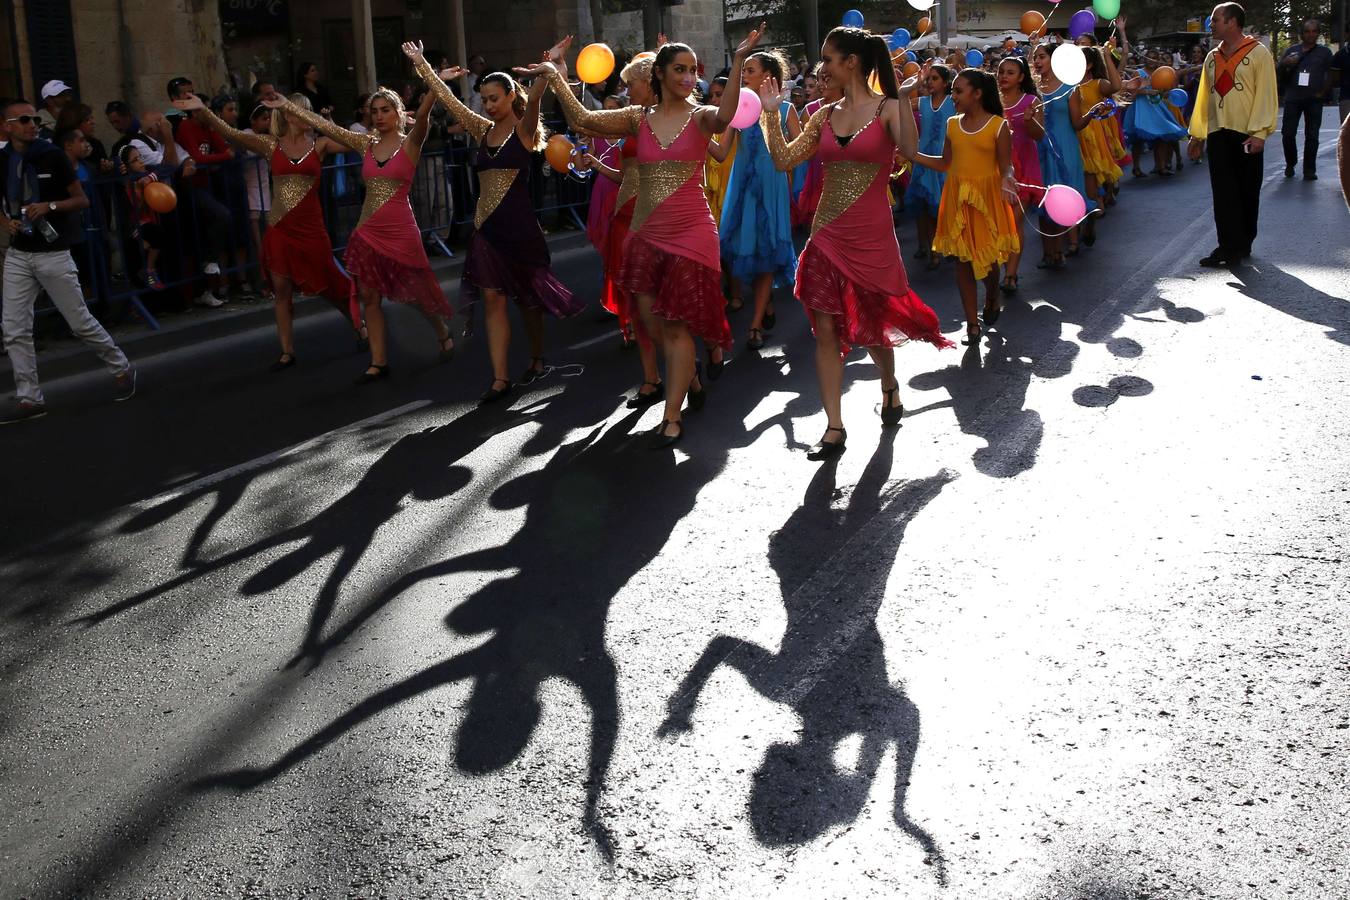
(55, 88)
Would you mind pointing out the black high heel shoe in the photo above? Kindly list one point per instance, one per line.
(699, 397)
(661, 440)
(972, 335)
(494, 393)
(642, 400)
(715, 366)
(532, 374)
(990, 315)
(822, 449)
(770, 319)
(756, 339)
(285, 362)
(367, 377)
(891, 415)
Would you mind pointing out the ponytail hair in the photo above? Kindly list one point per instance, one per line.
(511, 86)
(1095, 65)
(987, 85)
(872, 53)
(1025, 82)
(663, 58)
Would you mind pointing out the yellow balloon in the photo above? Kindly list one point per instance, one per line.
(595, 63)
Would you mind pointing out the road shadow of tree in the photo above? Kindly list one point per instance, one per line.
(602, 493)
(831, 667)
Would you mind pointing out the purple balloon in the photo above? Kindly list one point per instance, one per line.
(1083, 22)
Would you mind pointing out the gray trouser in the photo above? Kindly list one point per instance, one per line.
(53, 271)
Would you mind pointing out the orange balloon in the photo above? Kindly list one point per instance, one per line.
(595, 63)
(1009, 44)
(160, 197)
(645, 54)
(558, 152)
(911, 68)
(1164, 78)
(1032, 22)
(925, 24)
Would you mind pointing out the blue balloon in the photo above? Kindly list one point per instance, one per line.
(911, 56)
(900, 38)
(974, 59)
(1209, 23)
(853, 19)
(1177, 97)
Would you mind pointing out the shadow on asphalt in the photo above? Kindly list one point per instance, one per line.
(1267, 283)
(832, 566)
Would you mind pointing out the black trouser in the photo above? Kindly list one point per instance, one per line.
(1310, 109)
(1235, 178)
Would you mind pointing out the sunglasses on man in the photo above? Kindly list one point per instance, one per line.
(24, 120)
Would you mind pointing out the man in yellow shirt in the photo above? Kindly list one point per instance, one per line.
(1236, 108)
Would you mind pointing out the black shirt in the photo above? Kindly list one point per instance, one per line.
(46, 167)
(1316, 62)
(1341, 62)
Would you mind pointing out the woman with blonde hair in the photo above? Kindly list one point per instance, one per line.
(384, 253)
(296, 254)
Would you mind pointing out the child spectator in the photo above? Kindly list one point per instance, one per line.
(257, 187)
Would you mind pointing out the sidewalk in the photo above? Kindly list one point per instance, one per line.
(66, 355)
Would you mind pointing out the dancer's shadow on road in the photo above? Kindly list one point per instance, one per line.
(1276, 288)
(597, 513)
(832, 566)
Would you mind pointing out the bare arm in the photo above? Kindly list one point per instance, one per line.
(714, 120)
(937, 163)
(606, 122)
(1076, 115)
(528, 126)
(1111, 84)
(358, 142)
(899, 120)
(412, 144)
(721, 149)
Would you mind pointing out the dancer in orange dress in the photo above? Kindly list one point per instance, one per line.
(851, 279)
(671, 260)
(975, 220)
(384, 253)
(296, 252)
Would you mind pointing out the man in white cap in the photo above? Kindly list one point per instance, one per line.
(55, 95)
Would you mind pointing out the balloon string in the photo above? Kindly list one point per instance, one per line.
(1027, 217)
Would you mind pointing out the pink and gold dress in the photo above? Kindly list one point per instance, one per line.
(1025, 158)
(851, 267)
(672, 251)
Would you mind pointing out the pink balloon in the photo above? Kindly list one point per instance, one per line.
(747, 109)
(1064, 205)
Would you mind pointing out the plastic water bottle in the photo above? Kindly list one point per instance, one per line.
(46, 229)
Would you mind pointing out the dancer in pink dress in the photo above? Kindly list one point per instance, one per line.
(671, 261)
(851, 278)
(384, 254)
(1025, 117)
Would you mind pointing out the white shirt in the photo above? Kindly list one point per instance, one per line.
(359, 128)
(156, 156)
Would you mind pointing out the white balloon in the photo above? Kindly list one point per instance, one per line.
(921, 4)
(1068, 63)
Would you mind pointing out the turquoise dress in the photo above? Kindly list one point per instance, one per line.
(1061, 158)
(924, 193)
(756, 228)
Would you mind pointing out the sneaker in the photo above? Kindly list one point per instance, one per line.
(126, 386)
(152, 280)
(24, 411)
(211, 269)
(209, 300)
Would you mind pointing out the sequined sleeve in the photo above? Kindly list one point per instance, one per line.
(261, 144)
(787, 156)
(477, 126)
(610, 122)
(328, 128)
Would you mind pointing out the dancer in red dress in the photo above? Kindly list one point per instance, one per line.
(296, 252)
(637, 76)
(851, 278)
(384, 253)
(671, 260)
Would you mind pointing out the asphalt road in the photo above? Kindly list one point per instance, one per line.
(1077, 629)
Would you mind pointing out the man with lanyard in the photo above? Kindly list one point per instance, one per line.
(1305, 70)
(1236, 107)
(40, 192)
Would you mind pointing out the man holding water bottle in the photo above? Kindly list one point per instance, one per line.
(40, 190)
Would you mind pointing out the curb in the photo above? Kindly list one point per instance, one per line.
(68, 356)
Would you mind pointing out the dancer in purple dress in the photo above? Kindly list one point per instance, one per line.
(508, 256)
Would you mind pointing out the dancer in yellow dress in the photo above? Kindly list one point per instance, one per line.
(975, 220)
(1097, 136)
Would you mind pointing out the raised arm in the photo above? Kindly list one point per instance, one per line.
(472, 122)
(263, 145)
(528, 127)
(786, 156)
(417, 135)
(714, 120)
(898, 118)
(327, 127)
(607, 122)
(1113, 83)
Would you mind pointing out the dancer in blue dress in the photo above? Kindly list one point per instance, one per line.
(756, 227)
(1061, 158)
(924, 194)
(1149, 120)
